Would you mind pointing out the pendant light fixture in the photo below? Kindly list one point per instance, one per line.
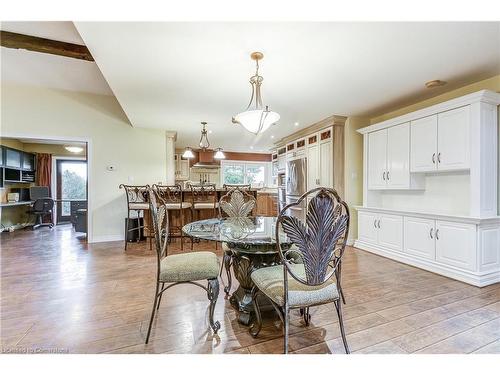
(256, 118)
(204, 145)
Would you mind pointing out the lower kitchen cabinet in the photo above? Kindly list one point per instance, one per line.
(267, 204)
(456, 244)
(419, 237)
(464, 249)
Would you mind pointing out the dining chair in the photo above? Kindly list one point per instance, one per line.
(320, 240)
(236, 203)
(186, 268)
(172, 197)
(137, 200)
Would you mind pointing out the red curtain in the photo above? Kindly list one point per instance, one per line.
(44, 170)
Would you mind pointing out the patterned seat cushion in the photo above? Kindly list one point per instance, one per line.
(203, 205)
(177, 206)
(270, 282)
(138, 206)
(200, 265)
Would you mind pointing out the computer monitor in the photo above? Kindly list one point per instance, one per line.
(37, 192)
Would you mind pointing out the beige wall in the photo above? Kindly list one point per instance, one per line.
(353, 172)
(138, 155)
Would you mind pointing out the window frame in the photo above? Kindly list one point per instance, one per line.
(246, 164)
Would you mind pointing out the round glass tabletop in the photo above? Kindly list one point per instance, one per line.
(259, 230)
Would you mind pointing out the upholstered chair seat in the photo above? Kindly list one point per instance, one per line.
(178, 206)
(200, 265)
(270, 282)
(205, 205)
(138, 206)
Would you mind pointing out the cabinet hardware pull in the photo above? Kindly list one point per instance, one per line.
(432, 230)
(434, 158)
(387, 175)
(437, 234)
(375, 223)
(383, 176)
(379, 224)
(439, 157)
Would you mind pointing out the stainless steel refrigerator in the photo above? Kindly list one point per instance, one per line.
(296, 184)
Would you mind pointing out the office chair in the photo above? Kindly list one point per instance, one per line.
(42, 207)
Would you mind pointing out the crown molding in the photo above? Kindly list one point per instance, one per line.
(334, 120)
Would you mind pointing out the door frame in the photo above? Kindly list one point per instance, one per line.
(90, 165)
(54, 186)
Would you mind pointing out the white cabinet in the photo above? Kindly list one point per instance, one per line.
(390, 231)
(313, 166)
(377, 159)
(388, 159)
(419, 237)
(367, 226)
(381, 229)
(326, 164)
(456, 244)
(441, 142)
(453, 150)
(181, 167)
(423, 146)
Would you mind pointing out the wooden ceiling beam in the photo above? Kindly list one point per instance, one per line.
(53, 47)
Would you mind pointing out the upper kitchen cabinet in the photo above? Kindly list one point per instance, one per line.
(181, 167)
(388, 159)
(441, 142)
(13, 158)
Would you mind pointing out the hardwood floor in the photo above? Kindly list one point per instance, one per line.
(59, 294)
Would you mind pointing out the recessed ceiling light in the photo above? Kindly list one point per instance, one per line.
(272, 136)
(209, 132)
(251, 147)
(434, 83)
(296, 124)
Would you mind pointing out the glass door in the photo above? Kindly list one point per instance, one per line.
(71, 184)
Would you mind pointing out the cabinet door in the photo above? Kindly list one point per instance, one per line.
(367, 227)
(312, 167)
(183, 169)
(423, 144)
(1, 156)
(456, 244)
(377, 159)
(281, 163)
(12, 158)
(419, 237)
(390, 231)
(28, 161)
(326, 164)
(398, 157)
(453, 139)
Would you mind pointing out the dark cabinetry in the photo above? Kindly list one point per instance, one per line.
(16, 166)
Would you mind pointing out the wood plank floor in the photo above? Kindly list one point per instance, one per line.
(59, 294)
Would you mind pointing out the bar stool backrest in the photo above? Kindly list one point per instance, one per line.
(168, 194)
(239, 186)
(136, 193)
(204, 193)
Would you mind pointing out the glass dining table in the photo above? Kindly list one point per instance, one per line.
(252, 243)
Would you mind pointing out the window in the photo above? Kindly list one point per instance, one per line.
(244, 172)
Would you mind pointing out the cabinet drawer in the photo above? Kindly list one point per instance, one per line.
(419, 237)
(456, 244)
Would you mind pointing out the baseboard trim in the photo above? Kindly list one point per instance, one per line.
(468, 277)
(109, 238)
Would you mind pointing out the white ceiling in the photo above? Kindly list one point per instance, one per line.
(174, 75)
(41, 69)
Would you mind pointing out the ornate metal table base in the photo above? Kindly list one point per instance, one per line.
(245, 261)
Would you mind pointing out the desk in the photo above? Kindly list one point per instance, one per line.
(12, 204)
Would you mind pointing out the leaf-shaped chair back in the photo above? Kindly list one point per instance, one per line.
(168, 193)
(236, 203)
(321, 239)
(159, 218)
(136, 193)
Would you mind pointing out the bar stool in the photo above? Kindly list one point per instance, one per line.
(137, 200)
(236, 203)
(204, 198)
(242, 187)
(171, 196)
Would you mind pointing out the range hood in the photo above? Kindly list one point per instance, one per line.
(206, 160)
